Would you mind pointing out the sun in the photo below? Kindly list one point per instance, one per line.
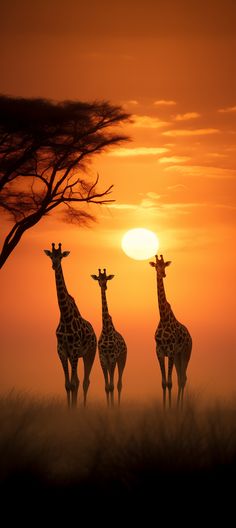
(140, 243)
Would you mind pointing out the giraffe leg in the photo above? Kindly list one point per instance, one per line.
(74, 382)
(181, 366)
(161, 360)
(180, 397)
(185, 361)
(169, 380)
(64, 362)
(183, 383)
(181, 375)
(177, 361)
(121, 365)
(111, 384)
(88, 360)
(105, 374)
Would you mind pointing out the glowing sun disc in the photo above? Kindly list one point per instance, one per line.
(140, 243)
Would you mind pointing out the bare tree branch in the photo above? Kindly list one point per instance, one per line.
(45, 148)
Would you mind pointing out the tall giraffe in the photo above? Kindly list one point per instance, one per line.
(75, 336)
(111, 345)
(172, 338)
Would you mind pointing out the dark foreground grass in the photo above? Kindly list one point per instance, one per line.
(137, 455)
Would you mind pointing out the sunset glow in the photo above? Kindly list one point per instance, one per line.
(171, 66)
(140, 244)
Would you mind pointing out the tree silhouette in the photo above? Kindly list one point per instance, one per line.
(45, 148)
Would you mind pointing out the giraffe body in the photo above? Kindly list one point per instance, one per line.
(111, 345)
(75, 336)
(172, 338)
(74, 332)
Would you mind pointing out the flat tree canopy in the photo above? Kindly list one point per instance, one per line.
(45, 148)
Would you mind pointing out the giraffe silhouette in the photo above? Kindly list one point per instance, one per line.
(172, 338)
(75, 336)
(111, 345)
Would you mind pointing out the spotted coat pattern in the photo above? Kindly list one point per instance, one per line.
(172, 338)
(75, 336)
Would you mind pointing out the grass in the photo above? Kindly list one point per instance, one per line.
(131, 452)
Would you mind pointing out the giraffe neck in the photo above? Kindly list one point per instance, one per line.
(164, 306)
(106, 318)
(65, 300)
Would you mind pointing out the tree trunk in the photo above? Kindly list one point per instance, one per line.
(11, 241)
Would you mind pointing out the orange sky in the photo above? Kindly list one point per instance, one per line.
(173, 67)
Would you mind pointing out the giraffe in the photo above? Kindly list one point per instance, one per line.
(172, 339)
(111, 345)
(75, 336)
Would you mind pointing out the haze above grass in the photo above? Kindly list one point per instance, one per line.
(42, 443)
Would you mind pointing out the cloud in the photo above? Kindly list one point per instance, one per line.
(202, 171)
(174, 159)
(139, 151)
(195, 132)
(153, 195)
(227, 110)
(132, 102)
(174, 207)
(184, 214)
(187, 116)
(122, 206)
(149, 206)
(177, 187)
(181, 207)
(165, 102)
(148, 122)
(217, 155)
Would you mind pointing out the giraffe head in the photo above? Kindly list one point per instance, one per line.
(102, 278)
(160, 266)
(56, 255)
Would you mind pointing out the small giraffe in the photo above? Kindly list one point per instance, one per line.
(111, 345)
(172, 338)
(75, 336)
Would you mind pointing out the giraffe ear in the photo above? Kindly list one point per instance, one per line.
(110, 277)
(65, 253)
(168, 263)
(94, 277)
(47, 252)
(152, 264)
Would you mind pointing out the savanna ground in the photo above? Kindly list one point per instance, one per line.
(136, 455)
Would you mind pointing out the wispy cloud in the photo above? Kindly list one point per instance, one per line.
(176, 187)
(174, 159)
(122, 206)
(139, 151)
(149, 206)
(175, 213)
(187, 116)
(217, 155)
(144, 121)
(202, 171)
(153, 195)
(194, 132)
(227, 110)
(174, 207)
(132, 102)
(165, 102)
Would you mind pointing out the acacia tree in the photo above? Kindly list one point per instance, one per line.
(45, 148)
